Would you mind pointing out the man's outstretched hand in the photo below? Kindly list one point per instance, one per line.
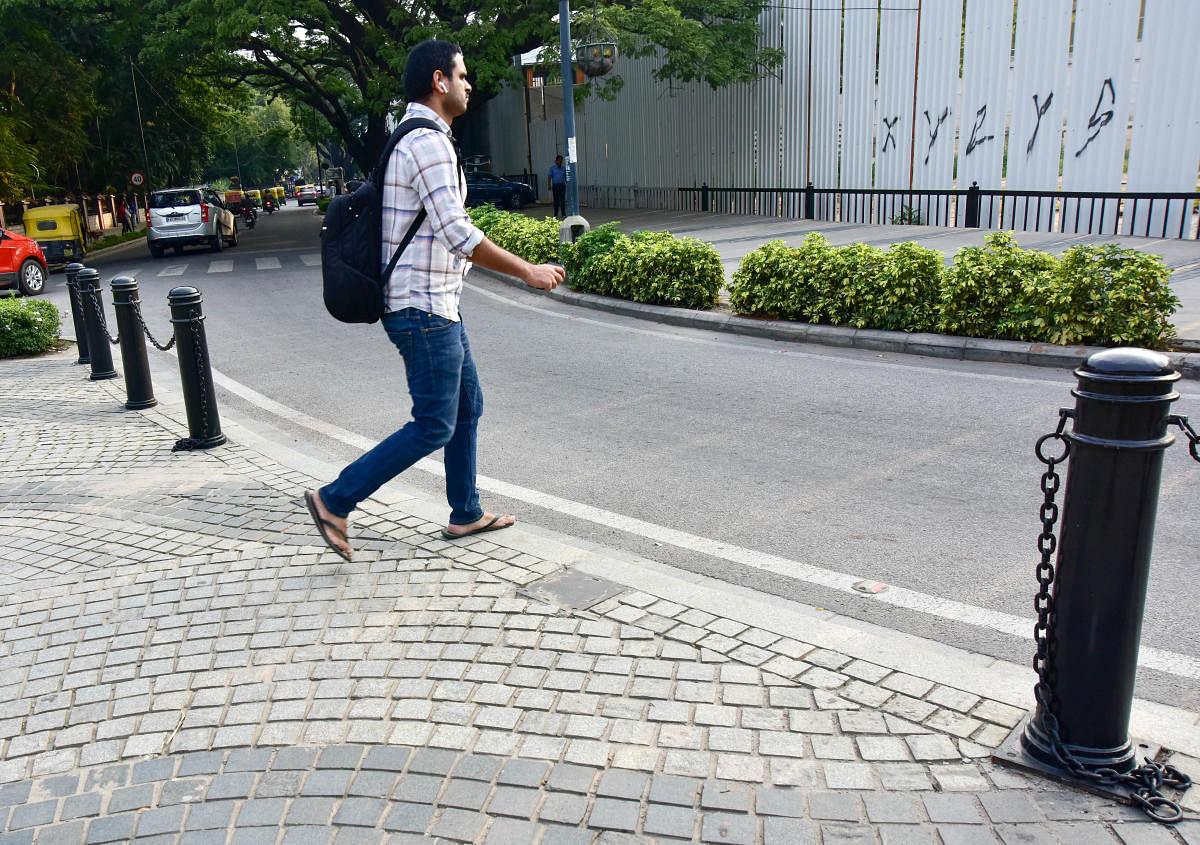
(545, 276)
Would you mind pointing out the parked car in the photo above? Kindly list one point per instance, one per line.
(485, 187)
(180, 217)
(22, 263)
(306, 193)
(59, 231)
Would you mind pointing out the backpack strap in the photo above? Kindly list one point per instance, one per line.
(380, 171)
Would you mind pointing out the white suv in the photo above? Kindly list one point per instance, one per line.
(180, 217)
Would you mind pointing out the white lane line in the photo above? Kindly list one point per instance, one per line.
(311, 259)
(1172, 663)
(271, 263)
(173, 270)
(792, 349)
(223, 266)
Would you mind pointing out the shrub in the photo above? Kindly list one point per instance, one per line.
(784, 282)
(584, 258)
(659, 268)
(1092, 295)
(27, 326)
(533, 240)
(990, 291)
(1104, 294)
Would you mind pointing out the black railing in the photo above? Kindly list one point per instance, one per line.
(1162, 215)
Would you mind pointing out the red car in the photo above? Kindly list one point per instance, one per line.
(22, 263)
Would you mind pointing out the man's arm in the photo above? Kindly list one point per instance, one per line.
(541, 276)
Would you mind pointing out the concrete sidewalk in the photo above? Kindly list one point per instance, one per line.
(182, 661)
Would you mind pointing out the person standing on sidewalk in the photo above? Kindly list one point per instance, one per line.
(556, 179)
(422, 314)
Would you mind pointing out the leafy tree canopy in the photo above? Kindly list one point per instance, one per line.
(344, 59)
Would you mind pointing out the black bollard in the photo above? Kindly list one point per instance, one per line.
(88, 282)
(138, 389)
(199, 394)
(81, 342)
(1092, 600)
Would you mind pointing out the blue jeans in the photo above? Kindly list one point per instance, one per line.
(447, 404)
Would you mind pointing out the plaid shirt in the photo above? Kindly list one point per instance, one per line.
(423, 170)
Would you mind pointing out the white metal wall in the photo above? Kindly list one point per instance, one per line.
(1040, 61)
(994, 107)
(1165, 140)
(1098, 107)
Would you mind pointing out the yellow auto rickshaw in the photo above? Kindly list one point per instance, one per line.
(278, 193)
(59, 231)
(255, 196)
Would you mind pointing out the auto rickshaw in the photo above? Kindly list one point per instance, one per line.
(255, 196)
(233, 200)
(59, 231)
(279, 198)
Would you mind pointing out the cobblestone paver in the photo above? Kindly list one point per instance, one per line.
(181, 662)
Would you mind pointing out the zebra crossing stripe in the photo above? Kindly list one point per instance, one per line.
(221, 266)
(173, 270)
(311, 259)
(271, 263)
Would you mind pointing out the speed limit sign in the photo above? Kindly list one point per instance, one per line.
(137, 178)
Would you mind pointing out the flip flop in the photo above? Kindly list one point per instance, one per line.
(490, 526)
(324, 527)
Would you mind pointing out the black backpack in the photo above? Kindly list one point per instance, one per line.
(351, 239)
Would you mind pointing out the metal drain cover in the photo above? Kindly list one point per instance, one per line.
(572, 590)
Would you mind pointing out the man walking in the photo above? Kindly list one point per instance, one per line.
(422, 308)
(557, 180)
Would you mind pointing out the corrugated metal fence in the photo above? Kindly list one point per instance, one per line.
(899, 95)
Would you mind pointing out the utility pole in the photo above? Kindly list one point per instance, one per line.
(574, 225)
(141, 128)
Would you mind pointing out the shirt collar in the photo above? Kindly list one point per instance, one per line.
(422, 110)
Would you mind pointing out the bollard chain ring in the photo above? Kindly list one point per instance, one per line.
(99, 309)
(1147, 780)
(1188, 432)
(137, 310)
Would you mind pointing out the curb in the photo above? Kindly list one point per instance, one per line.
(95, 253)
(876, 340)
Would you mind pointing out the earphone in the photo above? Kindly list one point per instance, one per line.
(442, 85)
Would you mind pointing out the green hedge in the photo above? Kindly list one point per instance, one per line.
(119, 238)
(651, 267)
(1092, 295)
(534, 240)
(28, 326)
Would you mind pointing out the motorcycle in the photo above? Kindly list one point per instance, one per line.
(249, 216)
(269, 205)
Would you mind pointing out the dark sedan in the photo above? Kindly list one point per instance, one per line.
(483, 187)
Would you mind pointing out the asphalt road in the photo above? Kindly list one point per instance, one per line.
(794, 470)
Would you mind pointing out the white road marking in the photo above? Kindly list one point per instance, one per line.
(311, 259)
(271, 263)
(223, 266)
(1169, 662)
(173, 270)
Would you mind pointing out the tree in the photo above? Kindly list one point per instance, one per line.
(66, 101)
(344, 59)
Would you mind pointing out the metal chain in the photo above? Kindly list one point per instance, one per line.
(189, 443)
(137, 310)
(1188, 432)
(1146, 781)
(99, 309)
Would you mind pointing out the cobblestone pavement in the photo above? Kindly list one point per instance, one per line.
(182, 662)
